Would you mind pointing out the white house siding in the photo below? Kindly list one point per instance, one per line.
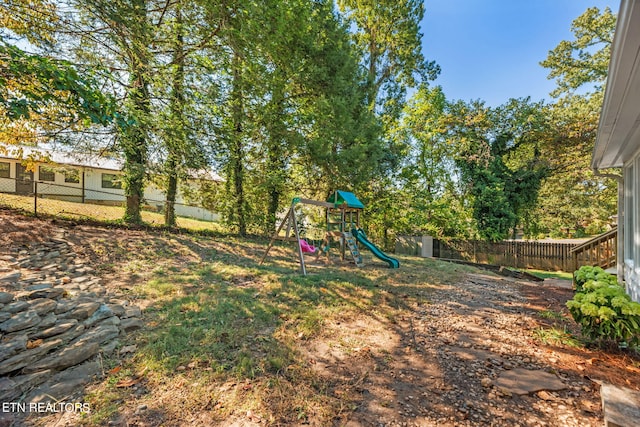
(631, 236)
(196, 212)
(618, 139)
(94, 193)
(154, 197)
(58, 188)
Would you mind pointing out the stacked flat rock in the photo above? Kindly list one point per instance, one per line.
(55, 317)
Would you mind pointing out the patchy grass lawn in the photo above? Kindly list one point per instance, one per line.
(97, 213)
(551, 274)
(226, 337)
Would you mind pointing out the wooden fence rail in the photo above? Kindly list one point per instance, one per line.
(600, 251)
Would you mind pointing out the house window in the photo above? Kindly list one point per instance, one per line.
(72, 176)
(5, 170)
(110, 180)
(46, 174)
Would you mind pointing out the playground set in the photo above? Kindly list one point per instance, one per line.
(342, 217)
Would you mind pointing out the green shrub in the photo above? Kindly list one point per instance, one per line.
(587, 273)
(603, 309)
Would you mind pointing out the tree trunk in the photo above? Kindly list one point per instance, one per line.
(237, 149)
(276, 155)
(171, 190)
(135, 152)
(176, 133)
(135, 135)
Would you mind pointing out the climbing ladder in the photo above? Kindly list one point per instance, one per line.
(353, 248)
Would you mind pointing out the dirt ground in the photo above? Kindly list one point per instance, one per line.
(438, 363)
(452, 351)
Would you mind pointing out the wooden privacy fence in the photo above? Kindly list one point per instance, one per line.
(550, 256)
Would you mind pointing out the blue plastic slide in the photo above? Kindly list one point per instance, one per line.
(361, 237)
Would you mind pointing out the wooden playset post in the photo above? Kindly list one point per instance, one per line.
(292, 224)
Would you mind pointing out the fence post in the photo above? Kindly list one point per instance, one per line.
(83, 185)
(35, 199)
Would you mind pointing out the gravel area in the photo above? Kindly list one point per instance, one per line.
(463, 358)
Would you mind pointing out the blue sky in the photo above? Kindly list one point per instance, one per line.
(491, 49)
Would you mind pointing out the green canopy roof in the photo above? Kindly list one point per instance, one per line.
(345, 197)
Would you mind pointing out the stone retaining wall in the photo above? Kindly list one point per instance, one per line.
(55, 317)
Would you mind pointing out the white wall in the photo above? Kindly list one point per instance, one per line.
(631, 229)
(58, 187)
(94, 190)
(197, 213)
(154, 197)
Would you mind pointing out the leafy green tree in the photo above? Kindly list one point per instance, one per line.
(118, 35)
(33, 85)
(183, 131)
(235, 65)
(388, 35)
(583, 61)
(236, 165)
(500, 162)
(304, 126)
(41, 95)
(339, 142)
(133, 34)
(429, 173)
(175, 137)
(574, 200)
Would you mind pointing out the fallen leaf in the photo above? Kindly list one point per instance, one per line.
(227, 387)
(115, 370)
(34, 344)
(588, 406)
(127, 383)
(546, 396)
